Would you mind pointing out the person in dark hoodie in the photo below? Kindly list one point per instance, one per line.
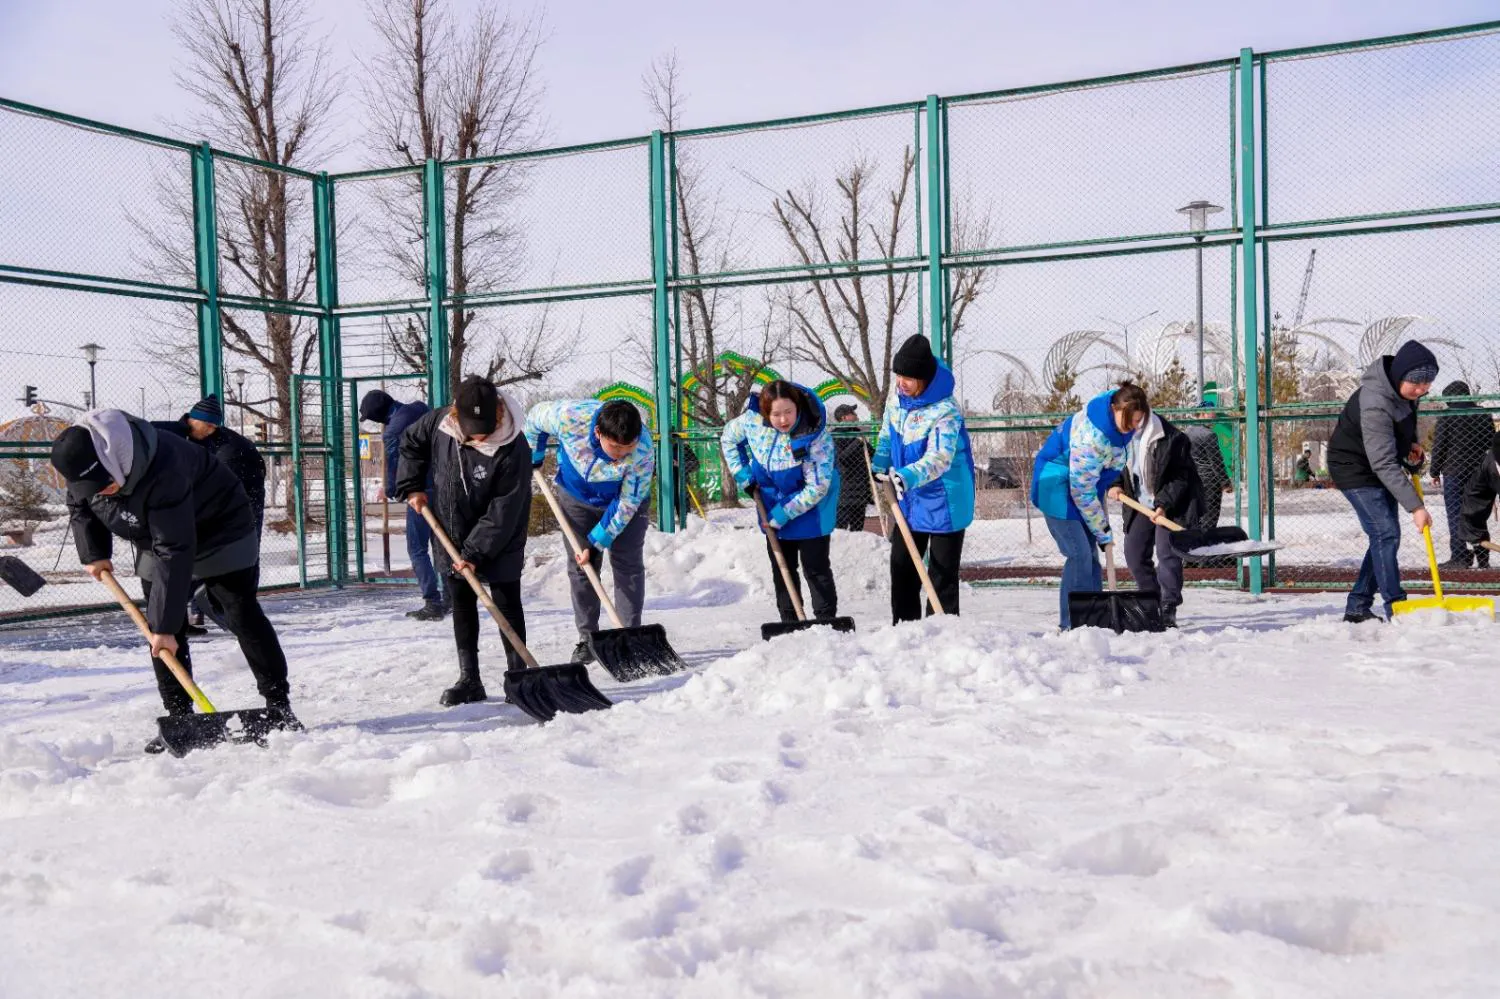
(1371, 456)
(378, 407)
(854, 493)
(1159, 472)
(187, 516)
(479, 467)
(1479, 500)
(204, 426)
(1459, 445)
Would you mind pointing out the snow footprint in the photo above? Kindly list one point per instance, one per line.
(1339, 926)
(1133, 850)
(629, 878)
(510, 866)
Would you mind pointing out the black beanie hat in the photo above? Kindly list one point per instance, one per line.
(208, 410)
(477, 405)
(76, 460)
(1414, 363)
(914, 359)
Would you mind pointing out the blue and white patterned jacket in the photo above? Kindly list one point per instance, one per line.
(1078, 463)
(923, 439)
(584, 471)
(796, 473)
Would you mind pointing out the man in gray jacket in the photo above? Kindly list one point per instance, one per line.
(1371, 457)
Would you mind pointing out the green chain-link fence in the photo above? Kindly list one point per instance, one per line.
(1349, 198)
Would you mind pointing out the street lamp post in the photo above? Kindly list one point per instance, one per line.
(1125, 329)
(1198, 213)
(239, 382)
(91, 354)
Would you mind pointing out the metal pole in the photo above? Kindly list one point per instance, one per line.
(936, 306)
(666, 520)
(437, 284)
(1252, 322)
(206, 260)
(93, 387)
(330, 376)
(1202, 397)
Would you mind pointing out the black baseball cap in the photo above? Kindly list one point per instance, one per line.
(76, 460)
(477, 406)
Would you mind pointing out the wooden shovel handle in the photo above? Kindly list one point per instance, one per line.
(573, 543)
(1143, 508)
(885, 527)
(1109, 564)
(792, 589)
(478, 588)
(129, 607)
(911, 547)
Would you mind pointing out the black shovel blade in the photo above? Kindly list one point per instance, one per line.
(543, 691)
(1119, 612)
(1189, 544)
(775, 628)
(19, 576)
(633, 653)
(185, 733)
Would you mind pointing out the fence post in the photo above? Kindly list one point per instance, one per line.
(299, 497)
(435, 218)
(330, 378)
(938, 305)
(206, 266)
(666, 486)
(1250, 300)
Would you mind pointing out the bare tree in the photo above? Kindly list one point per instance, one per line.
(436, 91)
(846, 323)
(263, 87)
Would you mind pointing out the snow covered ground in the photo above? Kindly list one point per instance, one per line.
(1269, 803)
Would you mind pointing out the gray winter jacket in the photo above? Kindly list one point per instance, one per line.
(1375, 432)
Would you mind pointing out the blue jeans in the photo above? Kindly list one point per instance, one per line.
(1379, 517)
(1081, 572)
(1453, 503)
(418, 545)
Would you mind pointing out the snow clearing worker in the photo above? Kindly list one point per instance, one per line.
(1160, 473)
(605, 463)
(473, 455)
(923, 451)
(781, 447)
(378, 407)
(854, 489)
(1460, 443)
(1079, 464)
(187, 516)
(204, 426)
(1479, 500)
(1371, 456)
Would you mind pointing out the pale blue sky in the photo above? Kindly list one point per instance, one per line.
(113, 60)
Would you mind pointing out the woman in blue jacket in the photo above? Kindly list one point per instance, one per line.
(1077, 466)
(781, 447)
(923, 451)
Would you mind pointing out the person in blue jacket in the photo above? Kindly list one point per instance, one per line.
(781, 448)
(378, 407)
(606, 460)
(1079, 464)
(923, 451)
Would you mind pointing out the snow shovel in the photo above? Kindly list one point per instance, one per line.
(1214, 542)
(911, 547)
(539, 691)
(1437, 601)
(803, 622)
(627, 653)
(1119, 612)
(184, 733)
(19, 576)
(885, 525)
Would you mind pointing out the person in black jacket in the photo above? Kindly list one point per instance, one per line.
(203, 424)
(1371, 456)
(187, 516)
(1460, 443)
(479, 465)
(1160, 472)
(378, 407)
(854, 496)
(1479, 499)
(1208, 458)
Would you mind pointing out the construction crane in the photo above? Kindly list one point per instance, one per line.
(1312, 255)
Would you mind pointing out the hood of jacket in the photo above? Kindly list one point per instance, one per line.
(1101, 414)
(507, 427)
(376, 406)
(1375, 383)
(125, 444)
(940, 388)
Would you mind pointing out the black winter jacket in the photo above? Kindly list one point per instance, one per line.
(1170, 465)
(1461, 441)
(379, 407)
(240, 454)
(854, 476)
(185, 513)
(481, 495)
(1479, 496)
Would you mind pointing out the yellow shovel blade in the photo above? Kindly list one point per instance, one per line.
(1456, 605)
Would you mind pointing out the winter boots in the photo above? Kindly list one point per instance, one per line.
(583, 653)
(428, 612)
(469, 689)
